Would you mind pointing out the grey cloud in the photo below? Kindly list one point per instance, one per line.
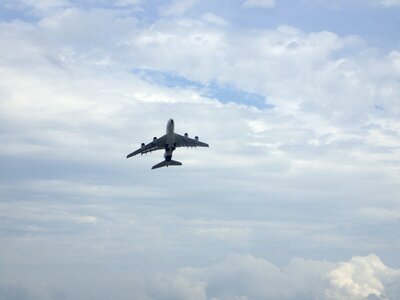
(14, 292)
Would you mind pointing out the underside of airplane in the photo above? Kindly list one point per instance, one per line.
(168, 142)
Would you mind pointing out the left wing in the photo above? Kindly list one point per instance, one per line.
(185, 141)
(156, 144)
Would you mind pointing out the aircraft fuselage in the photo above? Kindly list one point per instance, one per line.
(170, 143)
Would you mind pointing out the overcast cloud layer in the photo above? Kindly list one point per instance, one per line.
(296, 198)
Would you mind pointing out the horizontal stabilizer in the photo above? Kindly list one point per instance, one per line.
(160, 165)
(166, 164)
(174, 163)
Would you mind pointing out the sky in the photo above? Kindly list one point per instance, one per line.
(296, 198)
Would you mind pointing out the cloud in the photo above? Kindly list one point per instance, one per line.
(124, 3)
(248, 277)
(361, 278)
(14, 292)
(268, 64)
(67, 92)
(214, 19)
(379, 214)
(259, 3)
(177, 7)
(43, 7)
(314, 174)
(78, 79)
(390, 3)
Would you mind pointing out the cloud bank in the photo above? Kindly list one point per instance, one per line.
(241, 276)
(248, 277)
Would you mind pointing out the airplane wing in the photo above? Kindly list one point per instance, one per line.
(156, 144)
(185, 141)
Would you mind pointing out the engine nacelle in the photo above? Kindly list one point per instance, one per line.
(186, 135)
(143, 145)
(196, 138)
(154, 139)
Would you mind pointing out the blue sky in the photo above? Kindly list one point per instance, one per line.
(296, 198)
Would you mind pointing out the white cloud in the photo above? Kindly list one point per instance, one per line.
(182, 286)
(214, 19)
(259, 3)
(363, 277)
(311, 128)
(247, 277)
(268, 62)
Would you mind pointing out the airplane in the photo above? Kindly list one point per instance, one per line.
(170, 141)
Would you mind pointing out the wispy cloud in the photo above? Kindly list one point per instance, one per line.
(390, 2)
(177, 7)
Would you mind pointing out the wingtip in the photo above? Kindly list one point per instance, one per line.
(130, 155)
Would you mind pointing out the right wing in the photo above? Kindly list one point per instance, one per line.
(157, 144)
(185, 141)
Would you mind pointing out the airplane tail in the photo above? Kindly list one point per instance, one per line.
(166, 164)
(174, 163)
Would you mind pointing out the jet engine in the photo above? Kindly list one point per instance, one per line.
(154, 139)
(186, 135)
(196, 138)
(142, 146)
